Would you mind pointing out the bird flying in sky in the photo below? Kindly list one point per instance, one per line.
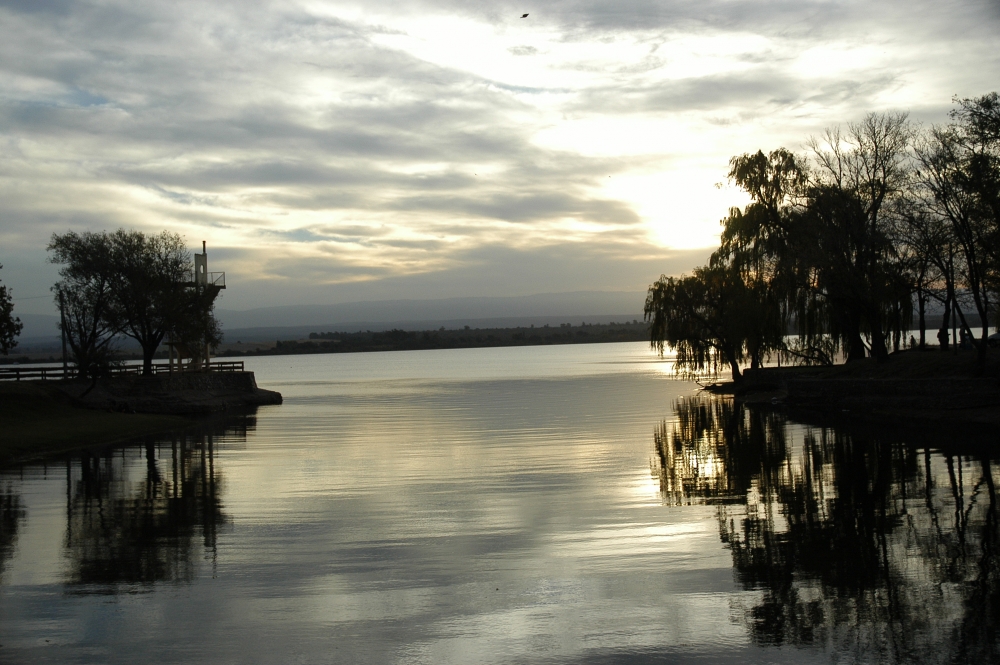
(524, 16)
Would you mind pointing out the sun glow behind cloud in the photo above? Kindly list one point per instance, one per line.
(330, 143)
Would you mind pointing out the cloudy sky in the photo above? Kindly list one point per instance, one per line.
(338, 151)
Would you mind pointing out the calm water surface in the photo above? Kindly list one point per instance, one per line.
(522, 505)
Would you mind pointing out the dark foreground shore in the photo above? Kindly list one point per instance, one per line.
(929, 390)
(43, 417)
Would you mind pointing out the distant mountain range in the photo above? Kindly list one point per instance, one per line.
(450, 309)
(37, 326)
(296, 321)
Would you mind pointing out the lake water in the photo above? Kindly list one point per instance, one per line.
(570, 504)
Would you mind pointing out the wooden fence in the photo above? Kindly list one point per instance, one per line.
(56, 373)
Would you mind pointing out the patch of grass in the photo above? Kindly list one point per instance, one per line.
(36, 419)
(914, 364)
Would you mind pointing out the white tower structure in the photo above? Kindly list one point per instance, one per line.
(201, 266)
(210, 284)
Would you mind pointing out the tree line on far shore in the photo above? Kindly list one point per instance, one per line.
(467, 338)
(845, 245)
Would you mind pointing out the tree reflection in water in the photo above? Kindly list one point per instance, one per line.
(863, 545)
(134, 523)
(11, 516)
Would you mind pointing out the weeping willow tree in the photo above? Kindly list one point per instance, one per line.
(760, 241)
(736, 310)
(818, 240)
(834, 245)
(710, 318)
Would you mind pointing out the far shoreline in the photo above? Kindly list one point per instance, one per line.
(403, 340)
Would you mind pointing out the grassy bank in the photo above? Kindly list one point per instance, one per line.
(36, 419)
(914, 364)
(910, 365)
(930, 390)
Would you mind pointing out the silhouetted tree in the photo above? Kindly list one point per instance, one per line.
(151, 277)
(760, 242)
(821, 245)
(735, 309)
(703, 317)
(130, 283)
(860, 173)
(10, 325)
(841, 243)
(927, 244)
(960, 172)
(85, 299)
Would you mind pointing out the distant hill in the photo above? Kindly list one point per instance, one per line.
(297, 321)
(272, 333)
(434, 313)
(40, 332)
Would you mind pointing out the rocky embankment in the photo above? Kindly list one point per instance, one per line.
(177, 394)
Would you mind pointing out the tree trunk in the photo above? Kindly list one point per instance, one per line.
(147, 358)
(149, 342)
(980, 344)
(737, 375)
(855, 348)
(879, 350)
(943, 332)
(923, 320)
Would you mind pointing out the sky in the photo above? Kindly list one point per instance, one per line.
(343, 151)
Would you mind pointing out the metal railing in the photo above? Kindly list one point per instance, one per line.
(212, 279)
(56, 373)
